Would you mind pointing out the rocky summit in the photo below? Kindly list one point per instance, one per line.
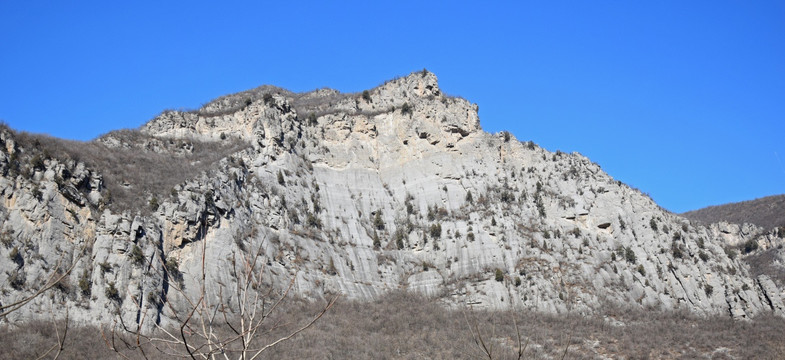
(325, 193)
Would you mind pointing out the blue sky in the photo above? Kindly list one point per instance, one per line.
(682, 99)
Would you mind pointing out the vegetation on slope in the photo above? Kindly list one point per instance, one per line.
(767, 212)
(406, 326)
(137, 169)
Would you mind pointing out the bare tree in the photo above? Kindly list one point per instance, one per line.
(55, 278)
(231, 325)
(60, 345)
(484, 345)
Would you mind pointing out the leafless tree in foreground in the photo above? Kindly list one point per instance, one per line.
(230, 327)
(55, 278)
(485, 346)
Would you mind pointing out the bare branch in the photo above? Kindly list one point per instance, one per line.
(326, 308)
(51, 282)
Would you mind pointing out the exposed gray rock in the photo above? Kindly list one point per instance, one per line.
(360, 196)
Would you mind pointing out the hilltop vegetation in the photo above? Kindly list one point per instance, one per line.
(767, 212)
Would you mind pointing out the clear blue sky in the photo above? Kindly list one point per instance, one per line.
(682, 99)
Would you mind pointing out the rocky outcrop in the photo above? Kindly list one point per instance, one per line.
(359, 194)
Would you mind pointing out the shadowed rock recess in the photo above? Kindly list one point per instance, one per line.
(354, 194)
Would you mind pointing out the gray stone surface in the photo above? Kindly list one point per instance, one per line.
(565, 235)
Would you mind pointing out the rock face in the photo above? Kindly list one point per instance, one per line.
(359, 194)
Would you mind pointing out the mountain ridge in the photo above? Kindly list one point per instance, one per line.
(356, 194)
(766, 212)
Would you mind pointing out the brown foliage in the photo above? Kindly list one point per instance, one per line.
(768, 212)
(405, 326)
(138, 166)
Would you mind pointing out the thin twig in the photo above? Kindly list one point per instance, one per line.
(326, 308)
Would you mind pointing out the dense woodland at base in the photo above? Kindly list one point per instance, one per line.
(406, 326)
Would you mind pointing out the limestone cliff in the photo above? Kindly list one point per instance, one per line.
(396, 187)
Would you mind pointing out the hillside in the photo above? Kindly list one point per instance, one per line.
(267, 193)
(767, 212)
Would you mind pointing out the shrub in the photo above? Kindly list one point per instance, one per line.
(153, 203)
(704, 256)
(653, 224)
(137, 256)
(173, 269)
(14, 255)
(506, 136)
(37, 163)
(730, 252)
(630, 255)
(313, 221)
(366, 96)
(436, 231)
(294, 217)
(281, 180)
(470, 236)
(5, 239)
(507, 196)
(469, 198)
(312, 119)
(676, 250)
(105, 267)
(268, 98)
(36, 192)
(377, 243)
(152, 298)
(499, 275)
(63, 284)
(406, 109)
(641, 270)
(517, 281)
(750, 246)
(540, 206)
(17, 280)
(378, 223)
(111, 292)
(709, 289)
(398, 238)
(85, 284)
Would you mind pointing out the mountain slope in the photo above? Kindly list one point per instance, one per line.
(767, 212)
(355, 194)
